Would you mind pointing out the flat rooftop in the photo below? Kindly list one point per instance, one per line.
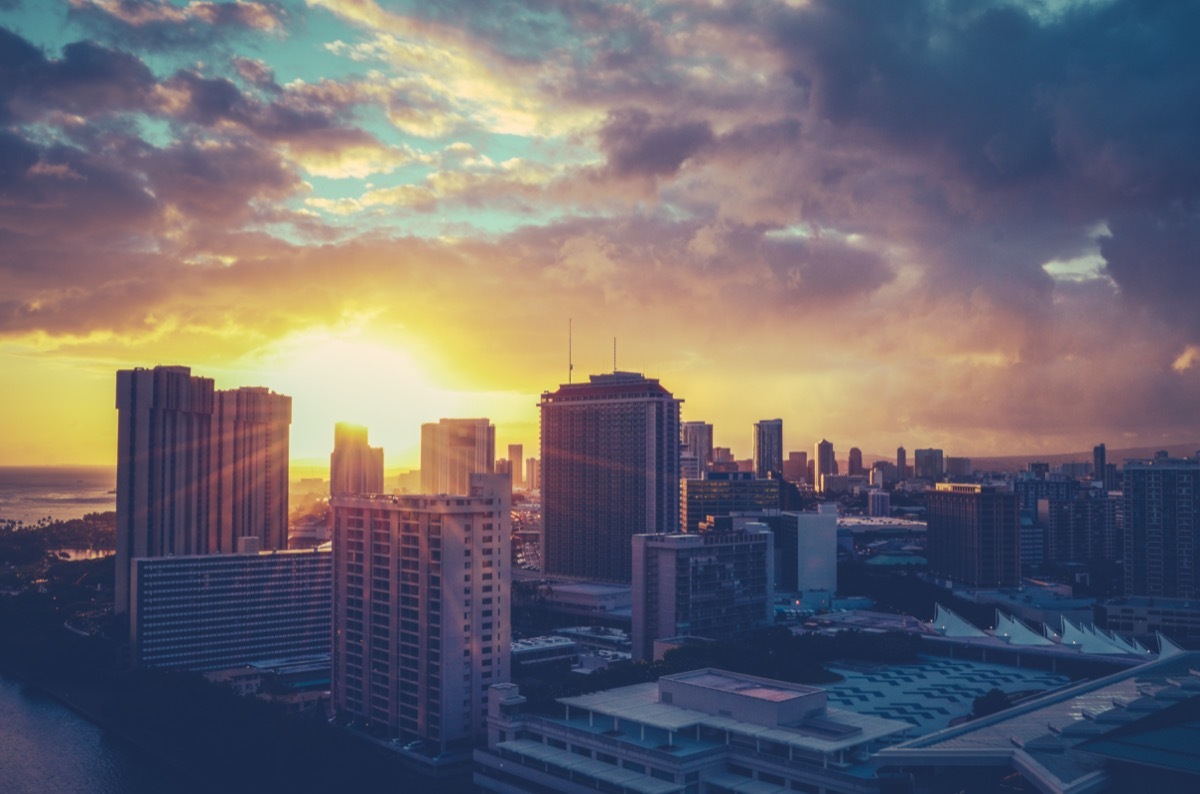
(759, 690)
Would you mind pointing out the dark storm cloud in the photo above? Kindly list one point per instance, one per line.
(638, 145)
(160, 25)
(1155, 257)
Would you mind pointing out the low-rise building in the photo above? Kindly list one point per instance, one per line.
(705, 730)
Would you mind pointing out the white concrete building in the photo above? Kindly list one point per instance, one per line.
(706, 731)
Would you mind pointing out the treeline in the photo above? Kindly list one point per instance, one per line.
(29, 545)
(772, 653)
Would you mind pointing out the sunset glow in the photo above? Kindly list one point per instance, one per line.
(887, 223)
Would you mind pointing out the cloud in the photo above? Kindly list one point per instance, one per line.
(636, 146)
(162, 25)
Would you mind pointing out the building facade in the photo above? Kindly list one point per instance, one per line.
(355, 467)
(928, 464)
(719, 585)
(197, 469)
(698, 441)
(227, 610)
(454, 449)
(823, 463)
(974, 535)
(516, 464)
(421, 610)
(1162, 527)
(610, 470)
(722, 493)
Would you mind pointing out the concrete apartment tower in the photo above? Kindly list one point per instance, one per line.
(355, 467)
(610, 470)
(421, 610)
(454, 449)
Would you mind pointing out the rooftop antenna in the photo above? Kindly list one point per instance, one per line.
(570, 358)
(614, 354)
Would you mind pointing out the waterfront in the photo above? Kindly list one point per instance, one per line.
(31, 493)
(46, 747)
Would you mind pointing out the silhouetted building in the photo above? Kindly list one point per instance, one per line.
(855, 464)
(928, 465)
(421, 610)
(768, 448)
(958, 467)
(722, 493)
(610, 470)
(197, 469)
(719, 585)
(879, 503)
(454, 449)
(698, 441)
(1081, 530)
(355, 467)
(1031, 490)
(516, 468)
(901, 463)
(974, 535)
(533, 480)
(823, 462)
(795, 468)
(1162, 527)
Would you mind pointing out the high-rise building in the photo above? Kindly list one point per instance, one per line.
(723, 493)
(974, 535)
(823, 462)
(228, 610)
(197, 469)
(610, 470)
(855, 464)
(250, 450)
(879, 503)
(901, 463)
(454, 449)
(768, 448)
(1100, 465)
(928, 464)
(533, 480)
(958, 467)
(795, 468)
(1162, 527)
(421, 610)
(807, 543)
(516, 456)
(1081, 530)
(355, 467)
(698, 440)
(719, 585)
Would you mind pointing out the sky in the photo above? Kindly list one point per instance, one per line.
(938, 223)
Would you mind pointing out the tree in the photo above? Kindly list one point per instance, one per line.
(990, 702)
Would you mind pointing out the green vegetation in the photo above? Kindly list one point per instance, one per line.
(990, 702)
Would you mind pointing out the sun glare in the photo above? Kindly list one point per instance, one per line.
(353, 379)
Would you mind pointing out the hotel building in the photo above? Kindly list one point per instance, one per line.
(610, 470)
(218, 611)
(421, 610)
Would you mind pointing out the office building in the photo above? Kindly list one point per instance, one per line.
(768, 448)
(355, 467)
(901, 463)
(823, 463)
(1081, 530)
(795, 468)
(1100, 465)
(807, 550)
(698, 441)
(854, 465)
(706, 731)
(722, 493)
(719, 585)
(610, 470)
(421, 610)
(1162, 526)
(958, 467)
(974, 535)
(533, 480)
(218, 611)
(197, 469)
(454, 449)
(1031, 489)
(928, 464)
(516, 468)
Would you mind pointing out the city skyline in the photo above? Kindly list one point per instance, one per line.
(887, 224)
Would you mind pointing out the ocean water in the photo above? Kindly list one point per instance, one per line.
(31, 493)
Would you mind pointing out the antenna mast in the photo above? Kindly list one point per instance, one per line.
(570, 358)
(614, 354)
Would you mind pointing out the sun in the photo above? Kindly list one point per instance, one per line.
(354, 378)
